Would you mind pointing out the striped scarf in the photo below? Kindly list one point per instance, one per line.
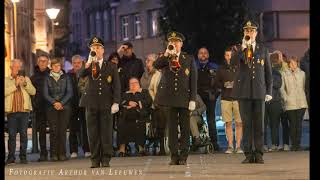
(17, 102)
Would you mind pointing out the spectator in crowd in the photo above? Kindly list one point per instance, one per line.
(77, 124)
(294, 96)
(196, 119)
(129, 65)
(135, 109)
(157, 116)
(41, 71)
(305, 66)
(58, 92)
(114, 58)
(284, 117)
(205, 83)
(149, 72)
(273, 108)
(18, 88)
(229, 106)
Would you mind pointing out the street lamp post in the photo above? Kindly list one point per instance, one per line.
(52, 13)
(15, 26)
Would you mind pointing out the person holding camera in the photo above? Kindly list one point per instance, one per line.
(129, 65)
(176, 94)
(101, 98)
(252, 87)
(18, 89)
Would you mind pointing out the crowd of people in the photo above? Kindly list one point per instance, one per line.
(121, 93)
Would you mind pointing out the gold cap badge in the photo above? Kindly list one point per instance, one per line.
(95, 40)
(249, 23)
(173, 34)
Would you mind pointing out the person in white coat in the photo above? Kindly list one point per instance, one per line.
(295, 102)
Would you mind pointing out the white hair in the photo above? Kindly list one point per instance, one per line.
(152, 56)
(77, 56)
(13, 61)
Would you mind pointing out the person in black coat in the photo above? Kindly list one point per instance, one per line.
(41, 71)
(101, 99)
(57, 92)
(273, 108)
(135, 109)
(208, 92)
(129, 65)
(77, 124)
(252, 87)
(176, 94)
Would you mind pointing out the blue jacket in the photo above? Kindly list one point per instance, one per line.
(58, 91)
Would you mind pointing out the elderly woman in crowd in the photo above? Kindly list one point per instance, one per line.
(135, 107)
(58, 92)
(295, 102)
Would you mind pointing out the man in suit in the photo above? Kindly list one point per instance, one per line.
(176, 94)
(101, 98)
(252, 87)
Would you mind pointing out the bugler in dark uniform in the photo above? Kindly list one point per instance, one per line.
(176, 94)
(101, 98)
(253, 86)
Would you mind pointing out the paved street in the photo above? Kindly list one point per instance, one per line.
(278, 165)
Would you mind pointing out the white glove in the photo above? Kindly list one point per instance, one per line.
(114, 108)
(268, 98)
(192, 105)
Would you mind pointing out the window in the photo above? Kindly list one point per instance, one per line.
(153, 22)
(98, 24)
(106, 25)
(91, 24)
(269, 31)
(137, 26)
(125, 28)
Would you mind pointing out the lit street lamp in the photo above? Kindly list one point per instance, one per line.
(15, 26)
(52, 13)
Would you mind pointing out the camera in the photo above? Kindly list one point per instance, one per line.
(21, 73)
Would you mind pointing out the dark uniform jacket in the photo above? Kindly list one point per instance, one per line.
(206, 80)
(37, 80)
(76, 93)
(128, 68)
(176, 89)
(226, 75)
(277, 83)
(103, 91)
(253, 82)
(58, 91)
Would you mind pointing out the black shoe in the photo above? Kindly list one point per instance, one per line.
(248, 160)
(54, 158)
(121, 154)
(23, 161)
(43, 158)
(95, 165)
(174, 162)
(259, 160)
(182, 162)
(105, 164)
(10, 161)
